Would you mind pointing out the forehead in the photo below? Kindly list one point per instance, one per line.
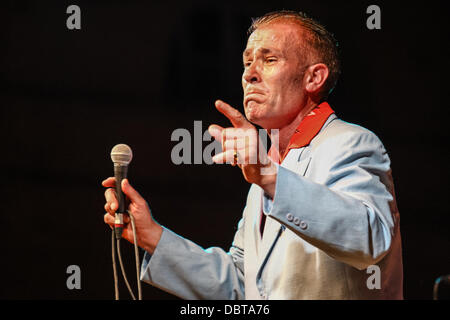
(274, 36)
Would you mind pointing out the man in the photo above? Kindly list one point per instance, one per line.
(321, 208)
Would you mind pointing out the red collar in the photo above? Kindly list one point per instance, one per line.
(308, 128)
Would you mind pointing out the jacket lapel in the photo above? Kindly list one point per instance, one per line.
(297, 160)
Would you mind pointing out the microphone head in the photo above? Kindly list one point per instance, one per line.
(121, 154)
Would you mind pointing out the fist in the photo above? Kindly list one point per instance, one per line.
(148, 231)
(241, 146)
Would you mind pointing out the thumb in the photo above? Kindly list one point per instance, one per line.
(130, 192)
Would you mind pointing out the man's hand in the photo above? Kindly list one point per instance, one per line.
(148, 231)
(240, 145)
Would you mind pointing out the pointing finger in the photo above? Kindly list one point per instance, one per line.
(236, 118)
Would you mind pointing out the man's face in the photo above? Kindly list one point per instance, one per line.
(273, 74)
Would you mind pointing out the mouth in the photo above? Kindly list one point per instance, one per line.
(255, 96)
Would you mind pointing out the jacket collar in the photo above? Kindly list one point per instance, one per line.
(308, 128)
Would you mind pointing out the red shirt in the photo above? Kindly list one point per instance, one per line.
(308, 128)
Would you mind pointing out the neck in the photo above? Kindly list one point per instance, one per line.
(286, 132)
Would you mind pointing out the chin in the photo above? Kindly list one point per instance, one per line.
(258, 120)
(252, 116)
(263, 120)
(254, 112)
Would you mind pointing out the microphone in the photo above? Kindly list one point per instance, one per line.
(121, 156)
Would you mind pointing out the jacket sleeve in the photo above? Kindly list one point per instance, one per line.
(188, 271)
(345, 206)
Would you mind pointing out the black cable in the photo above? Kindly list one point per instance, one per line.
(123, 270)
(116, 280)
(136, 253)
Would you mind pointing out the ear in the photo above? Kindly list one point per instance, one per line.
(316, 75)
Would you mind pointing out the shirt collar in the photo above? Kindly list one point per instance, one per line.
(308, 128)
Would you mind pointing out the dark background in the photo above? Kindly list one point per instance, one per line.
(137, 70)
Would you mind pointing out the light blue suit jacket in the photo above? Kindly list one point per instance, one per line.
(333, 217)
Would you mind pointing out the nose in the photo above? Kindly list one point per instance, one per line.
(251, 74)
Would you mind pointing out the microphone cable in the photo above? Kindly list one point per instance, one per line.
(136, 255)
(116, 247)
(113, 253)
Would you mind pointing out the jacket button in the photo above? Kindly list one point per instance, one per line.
(303, 225)
(289, 217)
(297, 221)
